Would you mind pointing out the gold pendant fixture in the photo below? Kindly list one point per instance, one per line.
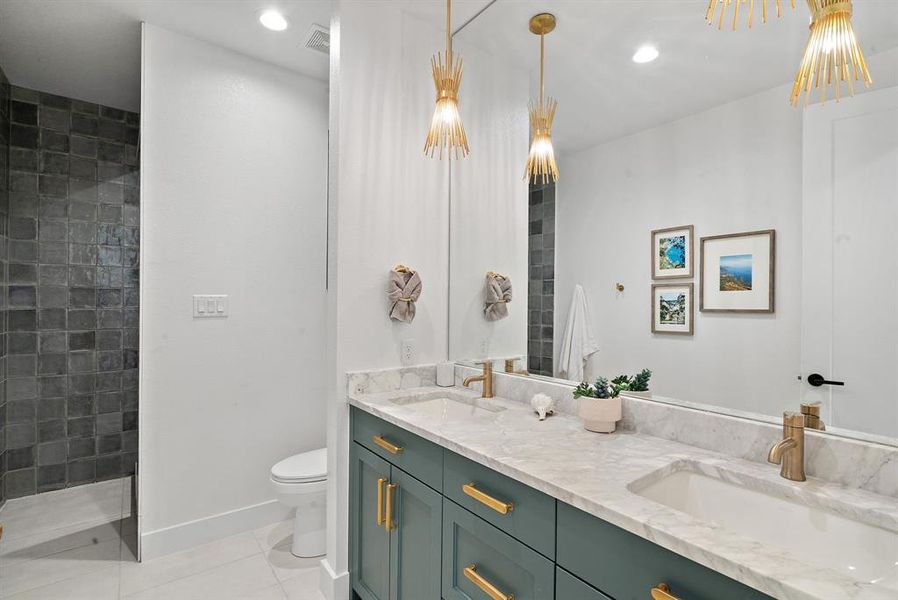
(748, 9)
(833, 56)
(541, 166)
(446, 129)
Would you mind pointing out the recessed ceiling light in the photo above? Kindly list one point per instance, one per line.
(273, 20)
(645, 54)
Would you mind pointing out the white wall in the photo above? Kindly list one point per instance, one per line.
(388, 204)
(489, 207)
(736, 167)
(233, 196)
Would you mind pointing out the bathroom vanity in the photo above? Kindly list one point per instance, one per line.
(455, 497)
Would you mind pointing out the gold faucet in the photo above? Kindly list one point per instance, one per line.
(789, 452)
(486, 378)
(812, 420)
(510, 367)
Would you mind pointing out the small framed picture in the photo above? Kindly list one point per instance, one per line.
(737, 272)
(672, 308)
(672, 252)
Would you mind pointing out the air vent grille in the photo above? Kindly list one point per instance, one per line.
(319, 38)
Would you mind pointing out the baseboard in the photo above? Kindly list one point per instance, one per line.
(332, 586)
(208, 529)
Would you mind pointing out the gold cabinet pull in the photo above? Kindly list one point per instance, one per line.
(388, 520)
(488, 588)
(380, 501)
(497, 505)
(662, 592)
(391, 448)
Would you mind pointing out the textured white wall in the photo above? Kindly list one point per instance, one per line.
(234, 202)
(489, 207)
(736, 167)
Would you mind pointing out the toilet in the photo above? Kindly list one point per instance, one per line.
(301, 481)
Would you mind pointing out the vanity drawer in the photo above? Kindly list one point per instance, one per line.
(476, 556)
(568, 587)
(411, 453)
(627, 567)
(513, 507)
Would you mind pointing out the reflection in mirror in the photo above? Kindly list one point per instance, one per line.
(734, 245)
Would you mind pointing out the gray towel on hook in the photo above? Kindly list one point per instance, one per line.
(403, 291)
(498, 295)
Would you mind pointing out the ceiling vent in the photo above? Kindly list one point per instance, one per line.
(319, 38)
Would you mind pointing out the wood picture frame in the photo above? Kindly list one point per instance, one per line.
(687, 290)
(737, 272)
(661, 257)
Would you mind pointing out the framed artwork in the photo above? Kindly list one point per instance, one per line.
(673, 310)
(737, 272)
(672, 252)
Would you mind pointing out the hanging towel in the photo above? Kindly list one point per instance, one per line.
(578, 343)
(498, 295)
(403, 291)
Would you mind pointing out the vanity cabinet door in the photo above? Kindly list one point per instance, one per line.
(415, 542)
(481, 562)
(369, 540)
(568, 587)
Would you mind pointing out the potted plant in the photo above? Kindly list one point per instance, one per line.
(600, 405)
(639, 384)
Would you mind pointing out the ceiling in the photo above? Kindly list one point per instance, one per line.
(90, 49)
(603, 95)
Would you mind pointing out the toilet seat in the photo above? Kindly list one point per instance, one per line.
(307, 467)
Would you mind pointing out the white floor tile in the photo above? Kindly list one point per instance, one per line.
(303, 587)
(99, 585)
(137, 577)
(59, 567)
(240, 579)
(22, 548)
(286, 566)
(274, 534)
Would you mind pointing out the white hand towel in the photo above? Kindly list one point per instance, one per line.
(498, 295)
(578, 342)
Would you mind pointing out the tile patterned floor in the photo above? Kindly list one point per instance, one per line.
(79, 544)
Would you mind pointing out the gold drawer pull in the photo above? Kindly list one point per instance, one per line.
(388, 523)
(488, 588)
(662, 592)
(380, 501)
(494, 503)
(391, 448)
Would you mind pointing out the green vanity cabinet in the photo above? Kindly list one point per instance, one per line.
(478, 556)
(395, 531)
(568, 587)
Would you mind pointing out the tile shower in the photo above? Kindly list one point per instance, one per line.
(4, 206)
(541, 284)
(72, 297)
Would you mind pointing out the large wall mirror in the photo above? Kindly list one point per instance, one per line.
(702, 227)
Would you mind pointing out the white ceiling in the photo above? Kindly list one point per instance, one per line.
(602, 94)
(90, 49)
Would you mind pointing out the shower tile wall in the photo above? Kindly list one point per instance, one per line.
(541, 284)
(73, 293)
(4, 206)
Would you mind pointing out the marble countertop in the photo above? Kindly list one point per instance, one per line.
(595, 472)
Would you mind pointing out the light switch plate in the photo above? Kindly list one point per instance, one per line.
(210, 306)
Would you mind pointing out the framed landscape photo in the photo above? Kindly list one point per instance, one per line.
(737, 272)
(672, 308)
(672, 252)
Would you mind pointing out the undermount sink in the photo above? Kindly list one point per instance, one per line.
(811, 534)
(450, 407)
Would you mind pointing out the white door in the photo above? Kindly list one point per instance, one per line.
(850, 261)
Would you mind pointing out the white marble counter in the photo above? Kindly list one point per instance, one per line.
(593, 472)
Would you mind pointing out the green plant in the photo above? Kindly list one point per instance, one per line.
(601, 389)
(621, 380)
(640, 381)
(583, 390)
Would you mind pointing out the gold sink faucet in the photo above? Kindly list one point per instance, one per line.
(789, 452)
(486, 378)
(812, 420)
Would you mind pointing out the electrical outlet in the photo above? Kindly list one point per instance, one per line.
(484, 347)
(408, 353)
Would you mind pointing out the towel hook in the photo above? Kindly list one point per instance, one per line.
(619, 287)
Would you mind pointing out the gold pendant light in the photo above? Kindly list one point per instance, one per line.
(748, 11)
(446, 129)
(833, 56)
(541, 161)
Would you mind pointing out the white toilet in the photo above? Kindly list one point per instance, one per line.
(301, 481)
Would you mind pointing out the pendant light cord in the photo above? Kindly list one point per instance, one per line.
(449, 30)
(542, 61)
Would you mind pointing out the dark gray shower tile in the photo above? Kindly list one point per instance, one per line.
(51, 431)
(56, 119)
(50, 409)
(52, 230)
(54, 318)
(53, 296)
(108, 444)
(52, 364)
(52, 387)
(82, 471)
(82, 254)
(52, 342)
(82, 362)
(24, 159)
(54, 140)
(81, 406)
(81, 448)
(83, 340)
(21, 365)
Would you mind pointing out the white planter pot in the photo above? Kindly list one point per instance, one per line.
(646, 394)
(600, 414)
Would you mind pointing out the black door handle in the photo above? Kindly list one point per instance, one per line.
(816, 380)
